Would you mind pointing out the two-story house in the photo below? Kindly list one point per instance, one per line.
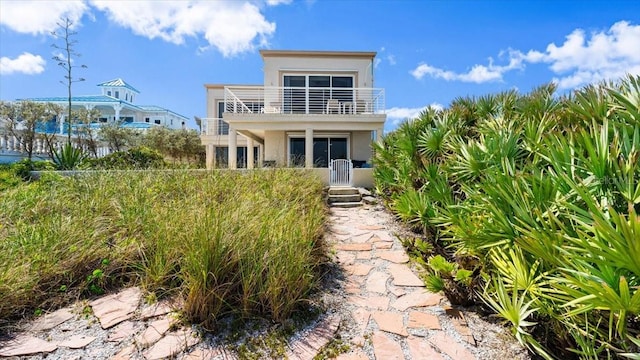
(316, 109)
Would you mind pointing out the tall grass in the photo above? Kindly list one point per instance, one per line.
(247, 243)
(535, 201)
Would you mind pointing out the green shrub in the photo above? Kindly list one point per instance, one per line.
(540, 194)
(245, 243)
(138, 158)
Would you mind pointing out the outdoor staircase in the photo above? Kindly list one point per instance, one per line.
(344, 197)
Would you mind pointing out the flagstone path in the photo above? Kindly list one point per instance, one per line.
(381, 309)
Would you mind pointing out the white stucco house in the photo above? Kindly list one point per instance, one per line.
(117, 101)
(316, 109)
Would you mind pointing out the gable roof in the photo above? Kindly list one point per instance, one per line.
(119, 83)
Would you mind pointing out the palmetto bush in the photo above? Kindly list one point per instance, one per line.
(537, 196)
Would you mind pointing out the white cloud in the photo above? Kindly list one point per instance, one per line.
(477, 74)
(583, 59)
(580, 60)
(278, 2)
(26, 63)
(396, 115)
(232, 26)
(391, 59)
(39, 17)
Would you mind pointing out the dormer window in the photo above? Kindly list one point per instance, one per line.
(117, 94)
(126, 97)
(109, 93)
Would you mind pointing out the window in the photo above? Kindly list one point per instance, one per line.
(324, 149)
(223, 126)
(157, 121)
(117, 94)
(296, 152)
(146, 119)
(109, 93)
(126, 97)
(308, 94)
(171, 122)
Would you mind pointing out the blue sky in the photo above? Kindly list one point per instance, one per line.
(429, 52)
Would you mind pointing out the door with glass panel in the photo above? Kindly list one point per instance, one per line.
(310, 94)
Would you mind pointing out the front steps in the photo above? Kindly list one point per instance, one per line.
(344, 197)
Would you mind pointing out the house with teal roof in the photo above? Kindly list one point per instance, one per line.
(117, 103)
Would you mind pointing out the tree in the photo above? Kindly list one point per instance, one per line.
(65, 61)
(87, 139)
(118, 137)
(22, 120)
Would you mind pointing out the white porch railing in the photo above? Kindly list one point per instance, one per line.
(340, 172)
(214, 126)
(14, 145)
(304, 100)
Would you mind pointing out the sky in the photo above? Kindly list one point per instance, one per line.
(428, 52)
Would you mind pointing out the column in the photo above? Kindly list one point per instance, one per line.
(210, 152)
(308, 148)
(233, 148)
(260, 155)
(249, 153)
(62, 117)
(379, 132)
(116, 109)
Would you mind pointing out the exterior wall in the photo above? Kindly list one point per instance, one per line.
(275, 147)
(275, 67)
(363, 178)
(361, 145)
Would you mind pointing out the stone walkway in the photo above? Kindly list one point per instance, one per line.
(392, 315)
(382, 311)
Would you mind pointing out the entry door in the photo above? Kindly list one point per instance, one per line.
(327, 149)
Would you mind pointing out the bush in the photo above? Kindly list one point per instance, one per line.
(248, 244)
(531, 205)
(138, 158)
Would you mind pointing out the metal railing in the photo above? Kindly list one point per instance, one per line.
(303, 100)
(341, 172)
(214, 126)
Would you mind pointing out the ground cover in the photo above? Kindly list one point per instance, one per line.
(242, 243)
(528, 205)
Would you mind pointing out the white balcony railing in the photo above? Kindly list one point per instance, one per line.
(303, 100)
(214, 126)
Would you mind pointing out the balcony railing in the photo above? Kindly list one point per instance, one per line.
(303, 100)
(214, 126)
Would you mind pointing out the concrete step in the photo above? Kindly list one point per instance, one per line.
(343, 191)
(344, 198)
(347, 204)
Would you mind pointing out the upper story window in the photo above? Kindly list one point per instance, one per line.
(223, 127)
(314, 93)
(108, 92)
(117, 94)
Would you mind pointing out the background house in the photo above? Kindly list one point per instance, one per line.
(314, 107)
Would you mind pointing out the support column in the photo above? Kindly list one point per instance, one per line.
(260, 155)
(379, 135)
(210, 153)
(249, 153)
(116, 109)
(62, 117)
(233, 149)
(308, 148)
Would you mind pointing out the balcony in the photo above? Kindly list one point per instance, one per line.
(214, 126)
(303, 100)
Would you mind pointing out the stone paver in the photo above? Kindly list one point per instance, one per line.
(450, 346)
(390, 322)
(385, 347)
(172, 344)
(49, 321)
(154, 331)
(157, 309)
(122, 331)
(420, 320)
(125, 353)
(354, 247)
(377, 282)
(26, 345)
(398, 256)
(371, 302)
(403, 276)
(77, 341)
(460, 324)
(420, 349)
(419, 298)
(307, 348)
(116, 308)
(358, 269)
(218, 353)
